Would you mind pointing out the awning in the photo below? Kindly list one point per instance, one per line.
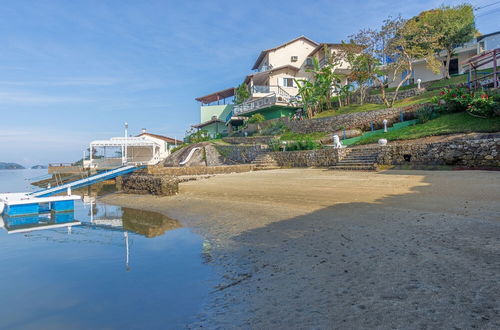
(121, 141)
(220, 95)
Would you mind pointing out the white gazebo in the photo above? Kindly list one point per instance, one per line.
(119, 151)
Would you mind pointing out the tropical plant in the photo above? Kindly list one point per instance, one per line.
(242, 94)
(198, 136)
(317, 94)
(426, 113)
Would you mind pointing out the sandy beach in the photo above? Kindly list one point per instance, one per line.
(320, 249)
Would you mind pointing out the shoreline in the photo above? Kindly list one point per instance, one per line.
(313, 248)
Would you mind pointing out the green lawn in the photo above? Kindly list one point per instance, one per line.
(291, 136)
(422, 98)
(446, 124)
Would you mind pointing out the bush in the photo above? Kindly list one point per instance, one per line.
(481, 104)
(256, 118)
(275, 145)
(275, 128)
(307, 144)
(426, 113)
(199, 136)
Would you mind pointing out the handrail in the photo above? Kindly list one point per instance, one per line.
(188, 158)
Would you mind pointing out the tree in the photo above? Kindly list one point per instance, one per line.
(444, 29)
(388, 53)
(242, 94)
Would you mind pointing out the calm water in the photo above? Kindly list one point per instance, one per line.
(119, 269)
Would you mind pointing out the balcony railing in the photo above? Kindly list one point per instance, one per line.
(254, 105)
(260, 89)
(264, 68)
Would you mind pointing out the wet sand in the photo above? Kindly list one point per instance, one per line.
(320, 249)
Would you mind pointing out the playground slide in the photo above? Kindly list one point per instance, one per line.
(188, 158)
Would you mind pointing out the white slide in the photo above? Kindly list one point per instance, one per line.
(188, 158)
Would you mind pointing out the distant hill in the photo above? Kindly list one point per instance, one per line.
(39, 167)
(10, 166)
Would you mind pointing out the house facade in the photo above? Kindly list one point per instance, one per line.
(458, 60)
(272, 86)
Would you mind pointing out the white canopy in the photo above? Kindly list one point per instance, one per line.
(122, 141)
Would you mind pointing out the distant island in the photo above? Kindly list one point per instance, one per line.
(10, 166)
(39, 167)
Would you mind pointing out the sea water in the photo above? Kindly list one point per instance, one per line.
(102, 267)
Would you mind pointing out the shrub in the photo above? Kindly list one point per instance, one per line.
(256, 118)
(199, 136)
(275, 145)
(480, 104)
(307, 144)
(275, 128)
(426, 113)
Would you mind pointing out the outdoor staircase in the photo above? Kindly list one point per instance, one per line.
(359, 159)
(265, 162)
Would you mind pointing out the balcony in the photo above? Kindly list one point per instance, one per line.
(264, 68)
(255, 105)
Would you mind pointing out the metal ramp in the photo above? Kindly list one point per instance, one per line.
(103, 176)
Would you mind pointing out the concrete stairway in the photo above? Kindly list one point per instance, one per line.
(265, 162)
(362, 159)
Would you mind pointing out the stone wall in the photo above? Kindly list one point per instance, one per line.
(308, 158)
(468, 153)
(234, 154)
(148, 184)
(248, 140)
(359, 120)
(199, 170)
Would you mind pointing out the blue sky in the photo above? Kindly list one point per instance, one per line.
(75, 71)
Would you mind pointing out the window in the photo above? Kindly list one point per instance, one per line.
(288, 82)
(309, 62)
(295, 58)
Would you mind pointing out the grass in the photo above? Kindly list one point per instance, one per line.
(418, 99)
(445, 124)
(291, 136)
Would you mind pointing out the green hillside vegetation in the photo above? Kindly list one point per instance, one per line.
(445, 124)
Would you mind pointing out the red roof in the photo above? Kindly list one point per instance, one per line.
(161, 137)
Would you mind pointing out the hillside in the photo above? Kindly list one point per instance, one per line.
(10, 166)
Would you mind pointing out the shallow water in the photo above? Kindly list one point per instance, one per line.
(105, 267)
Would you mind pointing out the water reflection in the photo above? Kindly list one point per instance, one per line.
(75, 276)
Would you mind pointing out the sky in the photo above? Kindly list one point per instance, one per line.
(76, 71)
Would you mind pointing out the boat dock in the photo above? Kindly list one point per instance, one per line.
(48, 200)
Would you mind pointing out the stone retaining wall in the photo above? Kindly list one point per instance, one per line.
(308, 158)
(248, 140)
(467, 153)
(359, 120)
(239, 154)
(148, 184)
(199, 170)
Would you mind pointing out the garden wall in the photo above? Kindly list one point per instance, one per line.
(248, 140)
(148, 184)
(468, 153)
(239, 154)
(308, 158)
(199, 170)
(359, 120)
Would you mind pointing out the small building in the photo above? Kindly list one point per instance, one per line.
(144, 149)
(458, 60)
